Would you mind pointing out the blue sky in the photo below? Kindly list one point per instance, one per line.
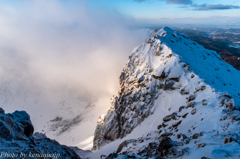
(162, 9)
(159, 11)
(202, 10)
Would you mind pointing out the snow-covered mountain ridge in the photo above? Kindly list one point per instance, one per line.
(176, 99)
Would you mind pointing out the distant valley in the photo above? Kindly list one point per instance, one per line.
(225, 42)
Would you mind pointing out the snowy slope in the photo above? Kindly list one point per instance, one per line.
(173, 92)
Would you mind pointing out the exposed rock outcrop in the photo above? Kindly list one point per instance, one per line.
(18, 141)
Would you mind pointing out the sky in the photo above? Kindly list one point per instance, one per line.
(177, 8)
(147, 12)
(196, 12)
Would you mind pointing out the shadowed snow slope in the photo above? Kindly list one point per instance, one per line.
(176, 100)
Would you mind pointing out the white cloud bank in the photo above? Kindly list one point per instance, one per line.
(56, 58)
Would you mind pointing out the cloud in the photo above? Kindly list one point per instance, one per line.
(202, 7)
(189, 3)
(58, 44)
(184, 2)
(61, 57)
(214, 7)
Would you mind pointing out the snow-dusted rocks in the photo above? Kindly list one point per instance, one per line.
(15, 126)
(172, 92)
(17, 139)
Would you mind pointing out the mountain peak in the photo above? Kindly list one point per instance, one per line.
(207, 64)
(172, 91)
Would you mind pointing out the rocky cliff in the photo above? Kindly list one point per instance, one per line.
(176, 99)
(18, 141)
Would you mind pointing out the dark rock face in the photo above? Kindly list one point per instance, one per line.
(2, 111)
(127, 110)
(194, 111)
(195, 136)
(24, 119)
(28, 129)
(184, 116)
(116, 156)
(177, 123)
(161, 77)
(123, 144)
(181, 108)
(165, 144)
(16, 136)
(167, 118)
(15, 126)
(4, 132)
(191, 98)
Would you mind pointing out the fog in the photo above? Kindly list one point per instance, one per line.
(65, 45)
(53, 52)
